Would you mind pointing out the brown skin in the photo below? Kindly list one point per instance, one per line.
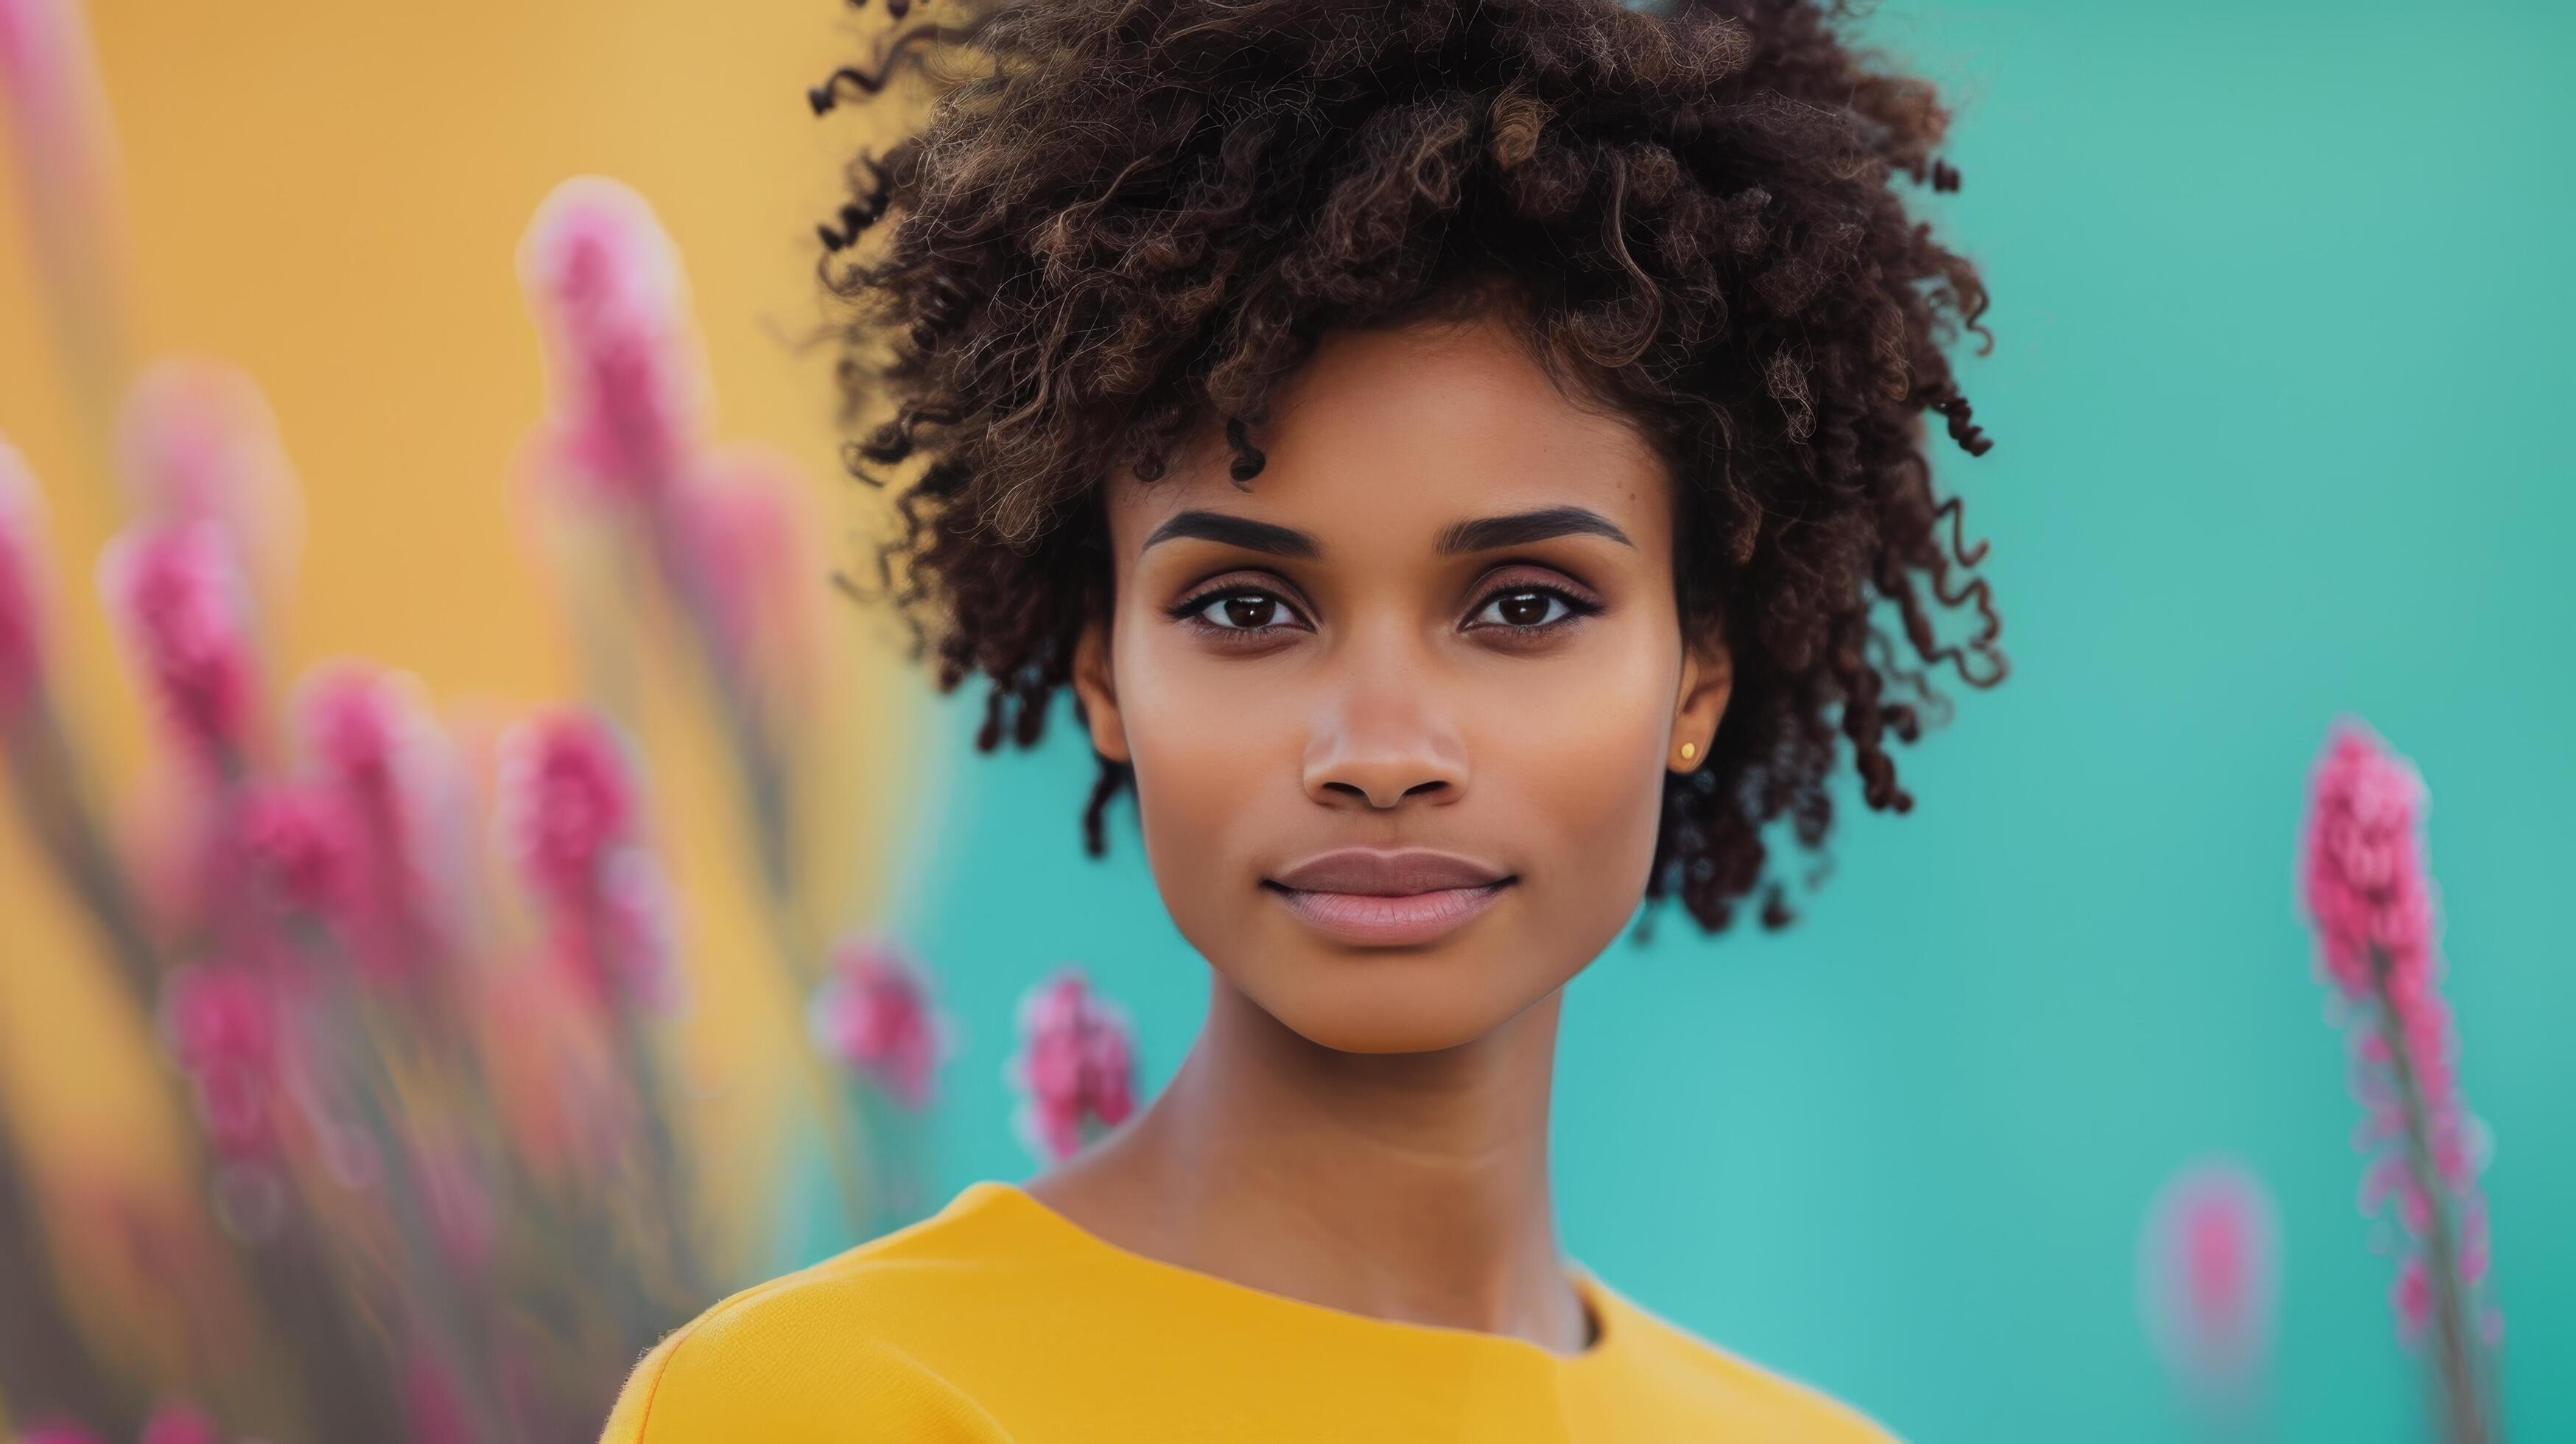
(1365, 1127)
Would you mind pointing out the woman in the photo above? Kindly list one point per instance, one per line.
(1451, 452)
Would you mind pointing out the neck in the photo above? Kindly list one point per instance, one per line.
(1408, 1186)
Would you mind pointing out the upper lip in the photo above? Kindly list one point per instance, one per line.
(1379, 873)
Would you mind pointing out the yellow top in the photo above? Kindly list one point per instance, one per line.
(1001, 1319)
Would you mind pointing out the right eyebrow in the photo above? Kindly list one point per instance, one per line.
(1239, 531)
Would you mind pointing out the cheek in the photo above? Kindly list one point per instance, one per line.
(1582, 768)
(1207, 746)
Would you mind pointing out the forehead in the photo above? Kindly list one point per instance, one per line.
(1385, 438)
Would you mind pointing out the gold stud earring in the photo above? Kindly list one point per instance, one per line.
(1689, 751)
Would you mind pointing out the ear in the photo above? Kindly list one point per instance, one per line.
(1096, 686)
(1708, 680)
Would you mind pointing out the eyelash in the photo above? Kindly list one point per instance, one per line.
(1187, 612)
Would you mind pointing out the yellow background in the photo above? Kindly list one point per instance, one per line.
(330, 195)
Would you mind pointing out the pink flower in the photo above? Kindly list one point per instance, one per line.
(58, 118)
(432, 1401)
(2410, 1296)
(629, 389)
(353, 720)
(25, 582)
(180, 1422)
(634, 954)
(184, 610)
(301, 848)
(567, 800)
(222, 1026)
(570, 815)
(873, 1014)
(197, 441)
(395, 775)
(1076, 1069)
(2211, 1277)
(2362, 873)
(47, 76)
(2366, 886)
(741, 531)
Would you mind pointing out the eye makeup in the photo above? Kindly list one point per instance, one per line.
(1563, 605)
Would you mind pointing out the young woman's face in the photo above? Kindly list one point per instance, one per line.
(1442, 620)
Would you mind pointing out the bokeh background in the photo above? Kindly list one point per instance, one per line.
(2281, 318)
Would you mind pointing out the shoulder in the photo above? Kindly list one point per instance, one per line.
(1704, 1378)
(811, 1353)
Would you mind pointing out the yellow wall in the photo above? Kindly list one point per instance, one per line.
(329, 194)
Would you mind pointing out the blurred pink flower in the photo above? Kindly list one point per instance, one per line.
(629, 387)
(570, 818)
(180, 601)
(433, 1406)
(2410, 1296)
(2362, 870)
(567, 800)
(300, 846)
(222, 1026)
(2210, 1277)
(366, 731)
(2365, 884)
(26, 584)
(352, 720)
(197, 441)
(1076, 1068)
(180, 1422)
(635, 951)
(63, 132)
(873, 1014)
(742, 526)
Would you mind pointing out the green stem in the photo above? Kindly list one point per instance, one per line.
(662, 1156)
(44, 1366)
(2463, 1414)
(54, 798)
(761, 785)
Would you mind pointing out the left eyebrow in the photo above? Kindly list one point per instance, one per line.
(1489, 533)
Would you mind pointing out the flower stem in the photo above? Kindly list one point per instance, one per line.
(54, 791)
(764, 794)
(2463, 1416)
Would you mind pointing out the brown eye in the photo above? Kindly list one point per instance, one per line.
(1529, 609)
(1248, 610)
(1242, 610)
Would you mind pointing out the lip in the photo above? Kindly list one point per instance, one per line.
(1388, 899)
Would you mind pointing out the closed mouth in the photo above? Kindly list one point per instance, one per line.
(1389, 919)
(1375, 872)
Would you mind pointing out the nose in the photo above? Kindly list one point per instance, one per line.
(1384, 737)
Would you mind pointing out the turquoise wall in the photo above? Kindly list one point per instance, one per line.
(2283, 315)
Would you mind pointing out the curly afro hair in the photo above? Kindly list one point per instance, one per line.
(1120, 219)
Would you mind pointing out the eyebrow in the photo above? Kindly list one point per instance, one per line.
(1479, 534)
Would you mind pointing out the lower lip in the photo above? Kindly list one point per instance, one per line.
(1373, 921)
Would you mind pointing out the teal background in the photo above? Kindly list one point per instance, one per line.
(2282, 320)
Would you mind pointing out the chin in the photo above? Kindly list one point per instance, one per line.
(1383, 1003)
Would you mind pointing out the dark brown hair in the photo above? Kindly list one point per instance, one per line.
(1123, 218)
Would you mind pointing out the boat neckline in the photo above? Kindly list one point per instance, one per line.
(1607, 1333)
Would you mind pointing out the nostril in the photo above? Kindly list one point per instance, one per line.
(1354, 789)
